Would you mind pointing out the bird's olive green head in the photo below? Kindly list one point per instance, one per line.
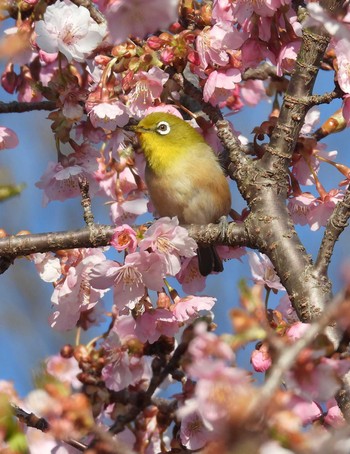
(164, 137)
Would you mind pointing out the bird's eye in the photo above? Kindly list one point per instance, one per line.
(163, 128)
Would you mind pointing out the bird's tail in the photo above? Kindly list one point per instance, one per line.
(209, 260)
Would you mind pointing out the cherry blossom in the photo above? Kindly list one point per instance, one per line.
(109, 115)
(193, 433)
(129, 280)
(213, 44)
(188, 308)
(263, 271)
(334, 416)
(8, 138)
(219, 84)
(48, 266)
(74, 294)
(300, 206)
(61, 180)
(69, 29)
(320, 212)
(122, 369)
(135, 20)
(308, 411)
(169, 239)
(64, 369)
(253, 91)
(124, 237)
(260, 359)
(154, 323)
(146, 88)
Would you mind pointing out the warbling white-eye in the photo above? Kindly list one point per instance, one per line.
(184, 177)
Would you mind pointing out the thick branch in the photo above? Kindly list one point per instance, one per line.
(97, 235)
(292, 115)
(20, 107)
(20, 245)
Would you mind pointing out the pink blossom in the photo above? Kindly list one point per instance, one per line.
(75, 294)
(301, 168)
(8, 138)
(134, 205)
(124, 237)
(261, 359)
(244, 9)
(220, 84)
(318, 380)
(308, 411)
(311, 120)
(61, 180)
(154, 323)
(69, 29)
(319, 16)
(134, 18)
(231, 382)
(108, 181)
(122, 369)
(193, 432)
(213, 44)
(168, 238)
(287, 310)
(147, 87)
(109, 115)
(64, 369)
(334, 416)
(263, 271)
(297, 330)
(253, 91)
(287, 57)
(319, 214)
(167, 108)
(222, 11)
(187, 308)
(189, 276)
(253, 52)
(209, 353)
(129, 280)
(47, 265)
(343, 59)
(300, 206)
(346, 109)
(124, 327)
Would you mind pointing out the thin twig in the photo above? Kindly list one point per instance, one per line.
(335, 226)
(86, 202)
(96, 15)
(156, 381)
(287, 356)
(31, 420)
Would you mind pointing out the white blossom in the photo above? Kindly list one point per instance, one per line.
(69, 29)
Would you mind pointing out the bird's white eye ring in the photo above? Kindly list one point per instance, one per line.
(163, 128)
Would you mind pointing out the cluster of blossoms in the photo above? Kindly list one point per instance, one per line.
(99, 75)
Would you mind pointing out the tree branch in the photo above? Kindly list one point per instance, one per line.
(335, 226)
(96, 235)
(20, 107)
(156, 381)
